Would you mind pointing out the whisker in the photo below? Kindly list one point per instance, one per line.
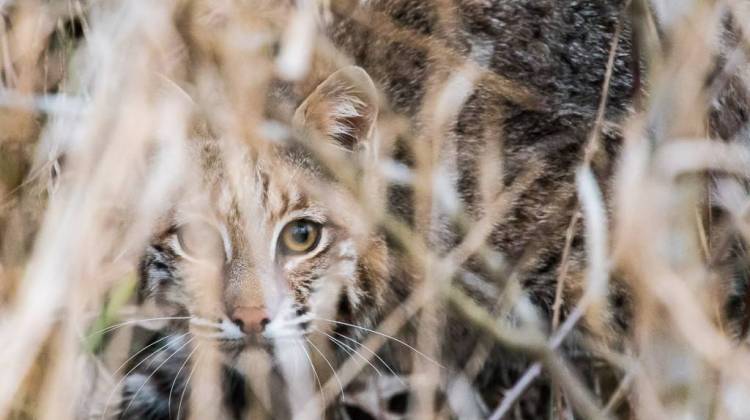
(117, 385)
(291, 334)
(286, 334)
(135, 321)
(177, 376)
(187, 383)
(209, 335)
(348, 352)
(385, 336)
(352, 350)
(296, 320)
(139, 352)
(284, 323)
(374, 354)
(341, 386)
(312, 365)
(154, 372)
(200, 322)
(287, 337)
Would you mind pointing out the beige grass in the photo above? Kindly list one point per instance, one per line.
(110, 83)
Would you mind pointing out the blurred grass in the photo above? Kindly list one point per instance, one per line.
(116, 300)
(19, 137)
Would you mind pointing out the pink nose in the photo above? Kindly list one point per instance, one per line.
(250, 319)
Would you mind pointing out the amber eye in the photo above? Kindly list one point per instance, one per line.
(299, 236)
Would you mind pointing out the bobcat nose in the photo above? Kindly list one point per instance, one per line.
(251, 319)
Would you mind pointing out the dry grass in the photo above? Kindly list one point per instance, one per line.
(119, 87)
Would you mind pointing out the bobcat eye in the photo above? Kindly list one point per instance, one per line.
(299, 236)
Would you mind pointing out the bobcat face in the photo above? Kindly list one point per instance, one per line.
(272, 254)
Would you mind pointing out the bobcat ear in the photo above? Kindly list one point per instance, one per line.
(343, 108)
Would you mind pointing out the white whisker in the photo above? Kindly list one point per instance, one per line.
(177, 376)
(139, 352)
(211, 336)
(154, 372)
(201, 322)
(117, 385)
(351, 350)
(385, 336)
(376, 355)
(291, 333)
(312, 365)
(187, 383)
(135, 321)
(278, 324)
(341, 386)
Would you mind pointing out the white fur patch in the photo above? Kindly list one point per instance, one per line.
(230, 330)
(345, 108)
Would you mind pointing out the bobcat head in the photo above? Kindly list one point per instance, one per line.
(271, 245)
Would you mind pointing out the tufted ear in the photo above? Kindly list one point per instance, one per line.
(343, 108)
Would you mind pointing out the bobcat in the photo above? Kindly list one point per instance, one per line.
(307, 243)
(296, 258)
